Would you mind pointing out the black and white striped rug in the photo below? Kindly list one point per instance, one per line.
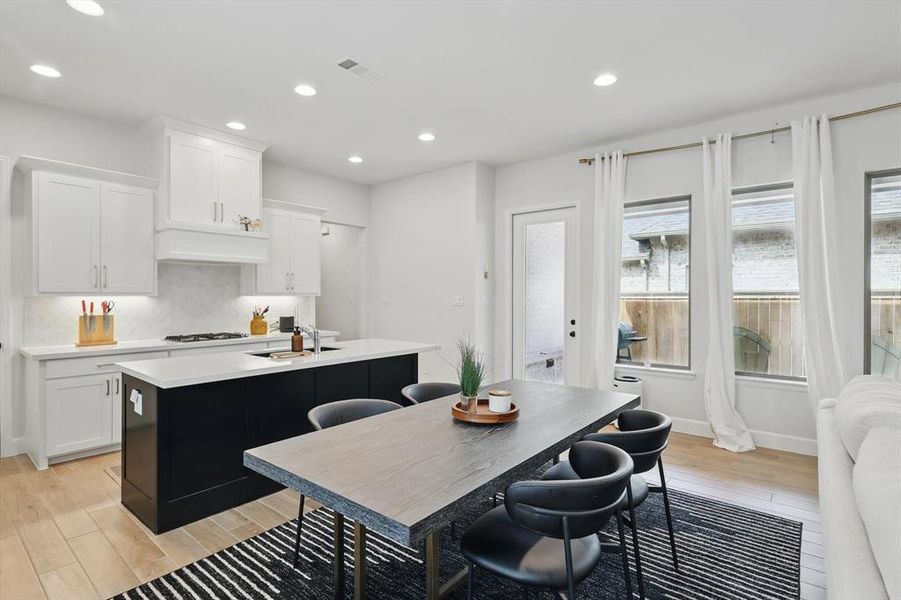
(725, 552)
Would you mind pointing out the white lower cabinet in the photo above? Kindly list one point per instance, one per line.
(79, 413)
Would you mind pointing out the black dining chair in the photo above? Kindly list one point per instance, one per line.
(423, 392)
(332, 415)
(643, 435)
(545, 533)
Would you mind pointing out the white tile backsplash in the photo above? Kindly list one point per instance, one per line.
(192, 298)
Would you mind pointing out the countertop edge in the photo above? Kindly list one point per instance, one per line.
(270, 368)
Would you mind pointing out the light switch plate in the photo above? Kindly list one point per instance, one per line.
(456, 300)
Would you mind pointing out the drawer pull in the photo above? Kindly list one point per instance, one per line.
(102, 365)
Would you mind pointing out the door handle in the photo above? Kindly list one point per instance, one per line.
(572, 334)
(105, 276)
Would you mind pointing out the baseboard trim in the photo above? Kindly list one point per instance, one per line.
(764, 439)
(13, 447)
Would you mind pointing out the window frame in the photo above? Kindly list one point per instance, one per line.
(868, 178)
(753, 189)
(687, 198)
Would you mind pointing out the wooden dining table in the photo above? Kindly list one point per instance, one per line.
(408, 473)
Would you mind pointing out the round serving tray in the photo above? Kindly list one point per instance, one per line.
(482, 415)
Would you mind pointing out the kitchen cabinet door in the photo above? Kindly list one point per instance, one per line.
(239, 184)
(68, 240)
(306, 235)
(273, 277)
(193, 180)
(116, 395)
(126, 239)
(79, 413)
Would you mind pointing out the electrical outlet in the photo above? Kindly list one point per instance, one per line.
(456, 300)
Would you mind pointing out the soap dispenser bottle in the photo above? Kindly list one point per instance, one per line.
(297, 340)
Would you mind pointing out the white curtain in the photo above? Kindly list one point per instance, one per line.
(729, 429)
(609, 194)
(814, 226)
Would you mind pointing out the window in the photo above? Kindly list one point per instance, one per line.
(882, 274)
(767, 329)
(654, 289)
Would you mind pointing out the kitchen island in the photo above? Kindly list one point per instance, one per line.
(187, 421)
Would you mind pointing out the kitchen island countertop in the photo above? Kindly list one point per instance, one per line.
(191, 370)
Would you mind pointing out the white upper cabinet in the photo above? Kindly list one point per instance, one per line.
(306, 236)
(239, 184)
(126, 239)
(208, 179)
(193, 179)
(67, 233)
(273, 277)
(294, 254)
(92, 229)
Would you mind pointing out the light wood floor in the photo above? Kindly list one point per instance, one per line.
(63, 533)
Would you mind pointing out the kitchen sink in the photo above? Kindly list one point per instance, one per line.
(270, 352)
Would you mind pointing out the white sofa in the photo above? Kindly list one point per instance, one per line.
(859, 443)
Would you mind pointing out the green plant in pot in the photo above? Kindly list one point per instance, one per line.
(471, 372)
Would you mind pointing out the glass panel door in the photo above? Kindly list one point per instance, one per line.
(545, 298)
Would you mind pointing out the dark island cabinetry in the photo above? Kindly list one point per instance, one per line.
(182, 456)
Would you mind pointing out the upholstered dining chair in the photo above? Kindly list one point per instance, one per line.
(423, 392)
(332, 415)
(643, 435)
(545, 533)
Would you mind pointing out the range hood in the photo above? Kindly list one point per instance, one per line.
(195, 243)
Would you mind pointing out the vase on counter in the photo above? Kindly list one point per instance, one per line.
(468, 403)
(258, 325)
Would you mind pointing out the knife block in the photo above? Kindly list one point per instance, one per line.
(96, 330)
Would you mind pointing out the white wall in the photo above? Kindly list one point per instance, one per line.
(34, 129)
(426, 236)
(346, 202)
(342, 306)
(780, 413)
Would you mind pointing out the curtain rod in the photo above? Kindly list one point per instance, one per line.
(859, 113)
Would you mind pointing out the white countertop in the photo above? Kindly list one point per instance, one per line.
(206, 368)
(72, 351)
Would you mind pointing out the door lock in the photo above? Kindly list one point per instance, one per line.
(572, 334)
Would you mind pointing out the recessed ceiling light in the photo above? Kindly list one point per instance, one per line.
(305, 90)
(605, 79)
(355, 159)
(426, 136)
(86, 7)
(236, 125)
(45, 71)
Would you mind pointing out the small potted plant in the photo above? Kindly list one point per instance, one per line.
(471, 372)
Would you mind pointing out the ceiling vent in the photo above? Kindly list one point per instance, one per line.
(354, 66)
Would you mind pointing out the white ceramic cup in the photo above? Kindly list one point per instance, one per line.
(499, 401)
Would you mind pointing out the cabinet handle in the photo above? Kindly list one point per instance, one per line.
(292, 281)
(215, 216)
(107, 387)
(105, 276)
(104, 365)
(221, 212)
(96, 282)
(117, 385)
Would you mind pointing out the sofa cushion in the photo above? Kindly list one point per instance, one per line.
(867, 401)
(877, 490)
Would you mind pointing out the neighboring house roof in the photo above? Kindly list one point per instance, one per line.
(764, 215)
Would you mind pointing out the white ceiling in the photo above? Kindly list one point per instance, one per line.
(499, 82)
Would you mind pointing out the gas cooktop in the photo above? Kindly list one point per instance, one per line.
(204, 337)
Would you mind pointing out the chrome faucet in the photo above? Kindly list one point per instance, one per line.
(314, 333)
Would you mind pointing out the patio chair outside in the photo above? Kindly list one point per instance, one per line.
(752, 351)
